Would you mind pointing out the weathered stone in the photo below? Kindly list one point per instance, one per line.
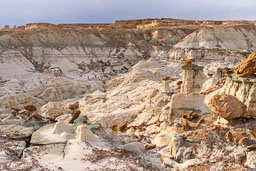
(167, 162)
(61, 127)
(248, 66)
(190, 115)
(75, 114)
(244, 89)
(45, 135)
(228, 107)
(73, 106)
(81, 121)
(166, 84)
(30, 107)
(46, 153)
(18, 101)
(84, 134)
(188, 61)
(251, 159)
(16, 131)
(135, 147)
(181, 103)
(53, 109)
(193, 78)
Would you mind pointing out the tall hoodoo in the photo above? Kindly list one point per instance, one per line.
(193, 78)
(166, 84)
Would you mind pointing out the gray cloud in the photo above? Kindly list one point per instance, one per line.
(20, 12)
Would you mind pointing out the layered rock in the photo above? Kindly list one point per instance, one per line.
(60, 59)
(229, 41)
(193, 78)
(228, 106)
(94, 50)
(83, 50)
(46, 90)
(244, 89)
(247, 67)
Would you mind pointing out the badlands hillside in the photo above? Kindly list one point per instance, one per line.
(152, 94)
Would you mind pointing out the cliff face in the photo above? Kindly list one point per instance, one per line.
(229, 40)
(88, 50)
(53, 67)
(98, 50)
(244, 89)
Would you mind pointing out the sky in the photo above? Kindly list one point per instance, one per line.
(21, 12)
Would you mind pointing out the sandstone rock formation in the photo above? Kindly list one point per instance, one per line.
(228, 106)
(84, 134)
(135, 147)
(53, 109)
(247, 67)
(181, 103)
(115, 72)
(61, 127)
(243, 88)
(166, 84)
(193, 78)
(229, 40)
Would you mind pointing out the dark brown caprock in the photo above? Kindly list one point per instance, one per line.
(75, 115)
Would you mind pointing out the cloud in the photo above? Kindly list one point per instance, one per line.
(20, 12)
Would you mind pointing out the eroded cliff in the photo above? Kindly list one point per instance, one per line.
(98, 50)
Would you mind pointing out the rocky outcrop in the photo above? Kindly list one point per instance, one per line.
(46, 90)
(193, 78)
(247, 67)
(73, 65)
(229, 41)
(228, 106)
(244, 89)
(53, 109)
(181, 103)
(82, 50)
(97, 50)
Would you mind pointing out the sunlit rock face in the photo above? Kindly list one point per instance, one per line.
(96, 50)
(193, 78)
(244, 89)
(115, 72)
(81, 50)
(229, 41)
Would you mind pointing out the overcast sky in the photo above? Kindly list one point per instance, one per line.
(20, 12)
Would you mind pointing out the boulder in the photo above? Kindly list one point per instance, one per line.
(247, 67)
(228, 106)
(135, 147)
